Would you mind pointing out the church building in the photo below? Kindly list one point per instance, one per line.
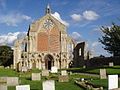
(46, 44)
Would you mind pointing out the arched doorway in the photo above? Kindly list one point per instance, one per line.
(49, 62)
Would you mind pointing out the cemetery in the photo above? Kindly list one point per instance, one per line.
(99, 78)
(81, 52)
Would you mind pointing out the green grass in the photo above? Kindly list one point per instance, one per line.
(25, 78)
(110, 70)
(102, 82)
(8, 72)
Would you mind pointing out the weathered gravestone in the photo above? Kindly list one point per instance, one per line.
(54, 69)
(24, 69)
(45, 73)
(103, 74)
(3, 80)
(23, 87)
(111, 64)
(36, 76)
(49, 85)
(64, 72)
(1, 66)
(63, 78)
(12, 81)
(112, 82)
(3, 87)
(115, 89)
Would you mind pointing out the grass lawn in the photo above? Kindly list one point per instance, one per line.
(37, 85)
(110, 70)
(25, 78)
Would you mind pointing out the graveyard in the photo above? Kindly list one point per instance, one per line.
(59, 45)
(35, 78)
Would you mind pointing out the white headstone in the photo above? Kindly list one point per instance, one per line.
(111, 64)
(54, 69)
(103, 74)
(112, 82)
(23, 87)
(49, 85)
(36, 76)
(3, 87)
(12, 81)
(64, 72)
(45, 73)
(24, 69)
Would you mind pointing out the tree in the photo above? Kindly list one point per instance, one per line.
(111, 39)
(6, 55)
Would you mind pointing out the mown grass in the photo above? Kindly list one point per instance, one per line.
(25, 78)
(110, 70)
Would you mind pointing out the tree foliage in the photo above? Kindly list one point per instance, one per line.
(111, 39)
(6, 55)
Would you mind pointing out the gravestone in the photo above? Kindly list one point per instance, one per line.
(111, 64)
(54, 69)
(103, 74)
(112, 82)
(36, 76)
(45, 73)
(23, 87)
(24, 69)
(64, 72)
(3, 80)
(49, 85)
(1, 66)
(12, 81)
(63, 78)
(3, 87)
(116, 89)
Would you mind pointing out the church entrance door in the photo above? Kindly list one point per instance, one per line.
(48, 62)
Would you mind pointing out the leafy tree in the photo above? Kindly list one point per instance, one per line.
(6, 55)
(111, 39)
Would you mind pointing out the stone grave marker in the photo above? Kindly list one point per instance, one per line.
(36, 76)
(24, 69)
(112, 82)
(63, 78)
(45, 73)
(103, 74)
(115, 89)
(54, 69)
(12, 81)
(49, 85)
(111, 64)
(23, 87)
(3, 87)
(3, 80)
(1, 66)
(64, 72)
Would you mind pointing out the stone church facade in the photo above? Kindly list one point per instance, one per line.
(47, 44)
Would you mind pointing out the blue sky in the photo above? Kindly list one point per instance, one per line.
(83, 18)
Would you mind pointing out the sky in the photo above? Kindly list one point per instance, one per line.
(83, 19)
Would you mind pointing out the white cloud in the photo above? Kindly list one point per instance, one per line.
(76, 17)
(94, 44)
(86, 15)
(90, 15)
(13, 19)
(57, 16)
(10, 37)
(76, 36)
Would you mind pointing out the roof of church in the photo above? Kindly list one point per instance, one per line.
(48, 15)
